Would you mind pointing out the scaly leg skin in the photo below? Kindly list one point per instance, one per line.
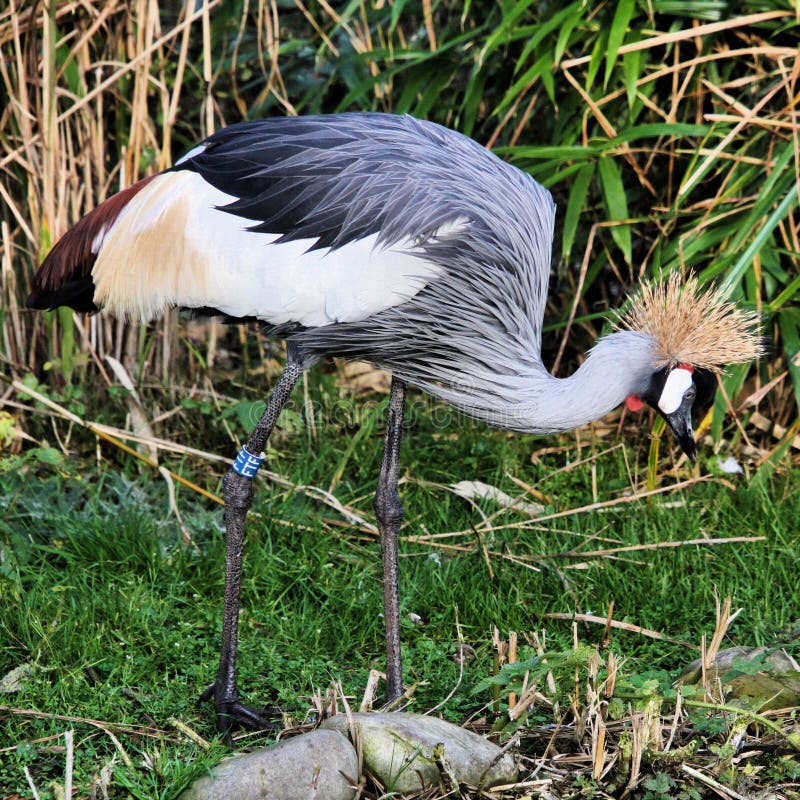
(238, 492)
(389, 513)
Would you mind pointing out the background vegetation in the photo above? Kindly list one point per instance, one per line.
(668, 134)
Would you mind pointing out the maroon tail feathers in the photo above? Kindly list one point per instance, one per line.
(65, 276)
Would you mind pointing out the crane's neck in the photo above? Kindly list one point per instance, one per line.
(533, 401)
(619, 365)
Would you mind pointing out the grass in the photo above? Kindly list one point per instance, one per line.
(119, 618)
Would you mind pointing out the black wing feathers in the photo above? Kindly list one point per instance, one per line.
(330, 179)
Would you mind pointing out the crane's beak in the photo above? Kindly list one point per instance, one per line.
(680, 423)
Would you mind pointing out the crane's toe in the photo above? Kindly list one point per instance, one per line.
(231, 713)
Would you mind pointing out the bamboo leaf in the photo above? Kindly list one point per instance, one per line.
(659, 426)
(711, 10)
(657, 129)
(616, 36)
(542, 69)
(67, 320)
(575, 204)
(786, 295)
(505, 29)
(775, 457)
(616, 204)
(596, 59)
(789, 324)
(544, 30)
(734, 274)
(732, 380)
(565, 31)
(631, 69)
(432, 93)
(561, 152)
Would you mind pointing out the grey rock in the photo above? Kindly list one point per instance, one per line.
(320, 765)
(777, 678)
(409, 752)
(15, 680)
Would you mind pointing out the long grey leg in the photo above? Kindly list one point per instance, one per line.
(389, 513)
(238, 492)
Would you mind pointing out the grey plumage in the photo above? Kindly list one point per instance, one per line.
(470, 335)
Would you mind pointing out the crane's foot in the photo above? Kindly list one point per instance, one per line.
(231, 713)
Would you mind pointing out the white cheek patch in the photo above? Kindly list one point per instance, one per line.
(678, 381)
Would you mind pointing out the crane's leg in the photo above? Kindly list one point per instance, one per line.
(238, 492)
(389, 513)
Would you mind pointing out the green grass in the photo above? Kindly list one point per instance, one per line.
(121, 621)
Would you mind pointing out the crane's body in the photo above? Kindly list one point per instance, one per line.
(360, 235)
(384, 238)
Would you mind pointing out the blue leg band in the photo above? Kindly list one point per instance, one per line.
(246, 464)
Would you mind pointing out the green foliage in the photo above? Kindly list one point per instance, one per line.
(659, 785)
(119, 620)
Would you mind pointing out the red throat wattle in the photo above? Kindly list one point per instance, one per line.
(634, 403)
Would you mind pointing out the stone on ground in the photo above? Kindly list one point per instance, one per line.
(321, 765)
(775, 676)
(409, 752)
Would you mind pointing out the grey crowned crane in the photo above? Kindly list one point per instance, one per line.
(394, 240)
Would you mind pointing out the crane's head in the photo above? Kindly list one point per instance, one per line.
(695, 333)
(673, 393)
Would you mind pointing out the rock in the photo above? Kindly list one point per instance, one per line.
(752, 672)
(409, 752)
(320, 765)
(15, 680)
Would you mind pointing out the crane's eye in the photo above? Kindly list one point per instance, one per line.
(690, 394)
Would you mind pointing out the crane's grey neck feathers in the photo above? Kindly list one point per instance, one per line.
(493, 374)
(619, 365)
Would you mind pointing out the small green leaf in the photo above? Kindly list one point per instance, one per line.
(248, 412)
(575, 205)
(616, 204)
(660, 783)
(47, 455)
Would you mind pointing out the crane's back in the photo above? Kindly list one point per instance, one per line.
(368, 235)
